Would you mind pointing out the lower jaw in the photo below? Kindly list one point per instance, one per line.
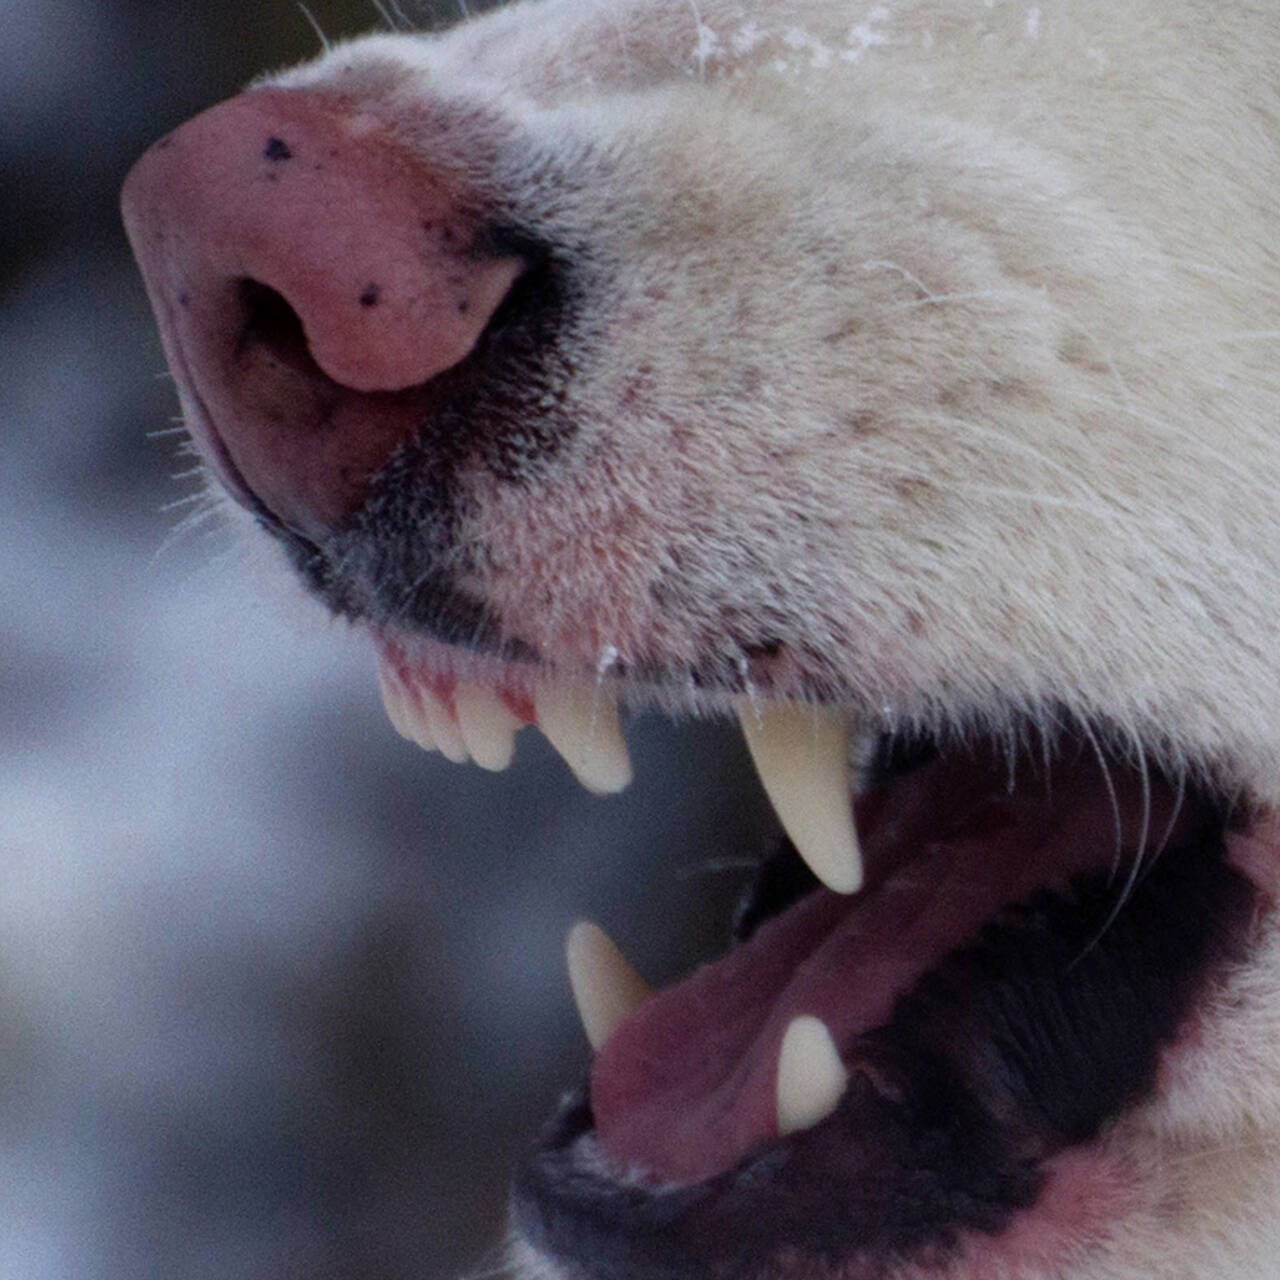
(980, 1091)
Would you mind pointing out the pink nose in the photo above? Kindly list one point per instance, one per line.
(310, 279)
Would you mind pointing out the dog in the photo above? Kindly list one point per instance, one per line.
(899, 377)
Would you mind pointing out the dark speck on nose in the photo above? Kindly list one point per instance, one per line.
(370, 296)
(277, 149)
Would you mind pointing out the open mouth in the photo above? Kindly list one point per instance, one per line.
(975, 955)
(966, 960)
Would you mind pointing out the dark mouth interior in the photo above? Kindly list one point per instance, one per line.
(1034, 934)
(270, 322)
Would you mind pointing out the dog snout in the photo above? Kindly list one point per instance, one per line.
(311, 279)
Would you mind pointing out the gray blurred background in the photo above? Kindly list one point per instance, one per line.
(280, 995)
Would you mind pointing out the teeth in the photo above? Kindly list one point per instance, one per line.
(488, 726)
(392, 700)
(401, 709)
(582, 725)
(606, 989)
(811, 1077)
(441, 726)
(802, 756)
(417, 714)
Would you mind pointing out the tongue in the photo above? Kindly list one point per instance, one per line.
(687, 1086)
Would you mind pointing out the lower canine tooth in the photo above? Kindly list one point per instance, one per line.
(582, 725)
(802, 755)
(488, 726)
(606, 989)
(811, 1077)
(401, 709)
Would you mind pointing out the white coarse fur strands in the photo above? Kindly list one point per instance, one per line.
(991, 354)
(940, 339)
(915, 361)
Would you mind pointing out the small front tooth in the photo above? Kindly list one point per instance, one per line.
(392, 700)
(606, 989)
(811, 1077)
(582, 725)
(802, 756)
(488, 726)
(442, 727)
(401, 709)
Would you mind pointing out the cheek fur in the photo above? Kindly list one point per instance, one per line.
(899, 364)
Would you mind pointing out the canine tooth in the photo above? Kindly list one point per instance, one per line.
(811, 1077)
(488, 726)
(442, 727)
(802, 756)
(606, 989)
(582, 725)
(401, 711)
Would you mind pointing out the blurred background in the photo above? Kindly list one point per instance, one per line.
(280, 995)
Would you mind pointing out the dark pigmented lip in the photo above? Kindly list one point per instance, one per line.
(569, 1204)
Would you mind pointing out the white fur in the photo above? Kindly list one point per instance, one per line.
(940, 339)
(1015, 450)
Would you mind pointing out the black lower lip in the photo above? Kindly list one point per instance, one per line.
(1023, 1043)
(868, 1182)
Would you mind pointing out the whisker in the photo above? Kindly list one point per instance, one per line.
(1010, 444)
(194, 521)
(1216, 340)
(938, 299)
(189, 500)
(315, 26)
(883, 264)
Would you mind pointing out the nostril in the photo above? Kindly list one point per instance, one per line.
(271, 324)
(313, 280)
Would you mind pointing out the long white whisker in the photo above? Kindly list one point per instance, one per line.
(883, 264)
(1031, 498)
(1212, 340)
(1010, 445)
(1100, 755)
(315, 26)
(938, 299)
